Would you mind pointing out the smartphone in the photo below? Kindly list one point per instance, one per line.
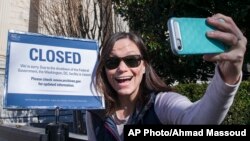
(188, 37)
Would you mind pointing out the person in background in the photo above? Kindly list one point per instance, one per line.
(134, 93)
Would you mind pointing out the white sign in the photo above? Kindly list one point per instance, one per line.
(50, 71)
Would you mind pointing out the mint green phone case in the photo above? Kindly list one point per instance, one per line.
(188, 36)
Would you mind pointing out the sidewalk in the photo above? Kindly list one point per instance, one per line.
(28, 133)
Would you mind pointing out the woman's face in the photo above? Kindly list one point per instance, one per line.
(125, 78)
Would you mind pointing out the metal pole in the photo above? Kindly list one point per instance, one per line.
(78, 122)
(57, 131)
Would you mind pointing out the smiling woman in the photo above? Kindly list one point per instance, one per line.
(135, 94)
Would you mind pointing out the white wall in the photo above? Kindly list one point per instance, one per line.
(14, 14)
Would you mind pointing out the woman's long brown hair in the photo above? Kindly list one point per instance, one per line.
(151, 82)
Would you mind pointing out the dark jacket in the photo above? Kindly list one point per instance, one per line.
(105, 127)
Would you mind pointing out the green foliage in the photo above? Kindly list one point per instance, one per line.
(193, 91)
(149, 18)
(239, 113)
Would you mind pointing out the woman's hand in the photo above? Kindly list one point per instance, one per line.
(231, 62)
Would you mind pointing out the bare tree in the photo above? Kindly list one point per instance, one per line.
(91, 19)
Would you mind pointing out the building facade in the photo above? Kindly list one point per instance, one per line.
(14, 15)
